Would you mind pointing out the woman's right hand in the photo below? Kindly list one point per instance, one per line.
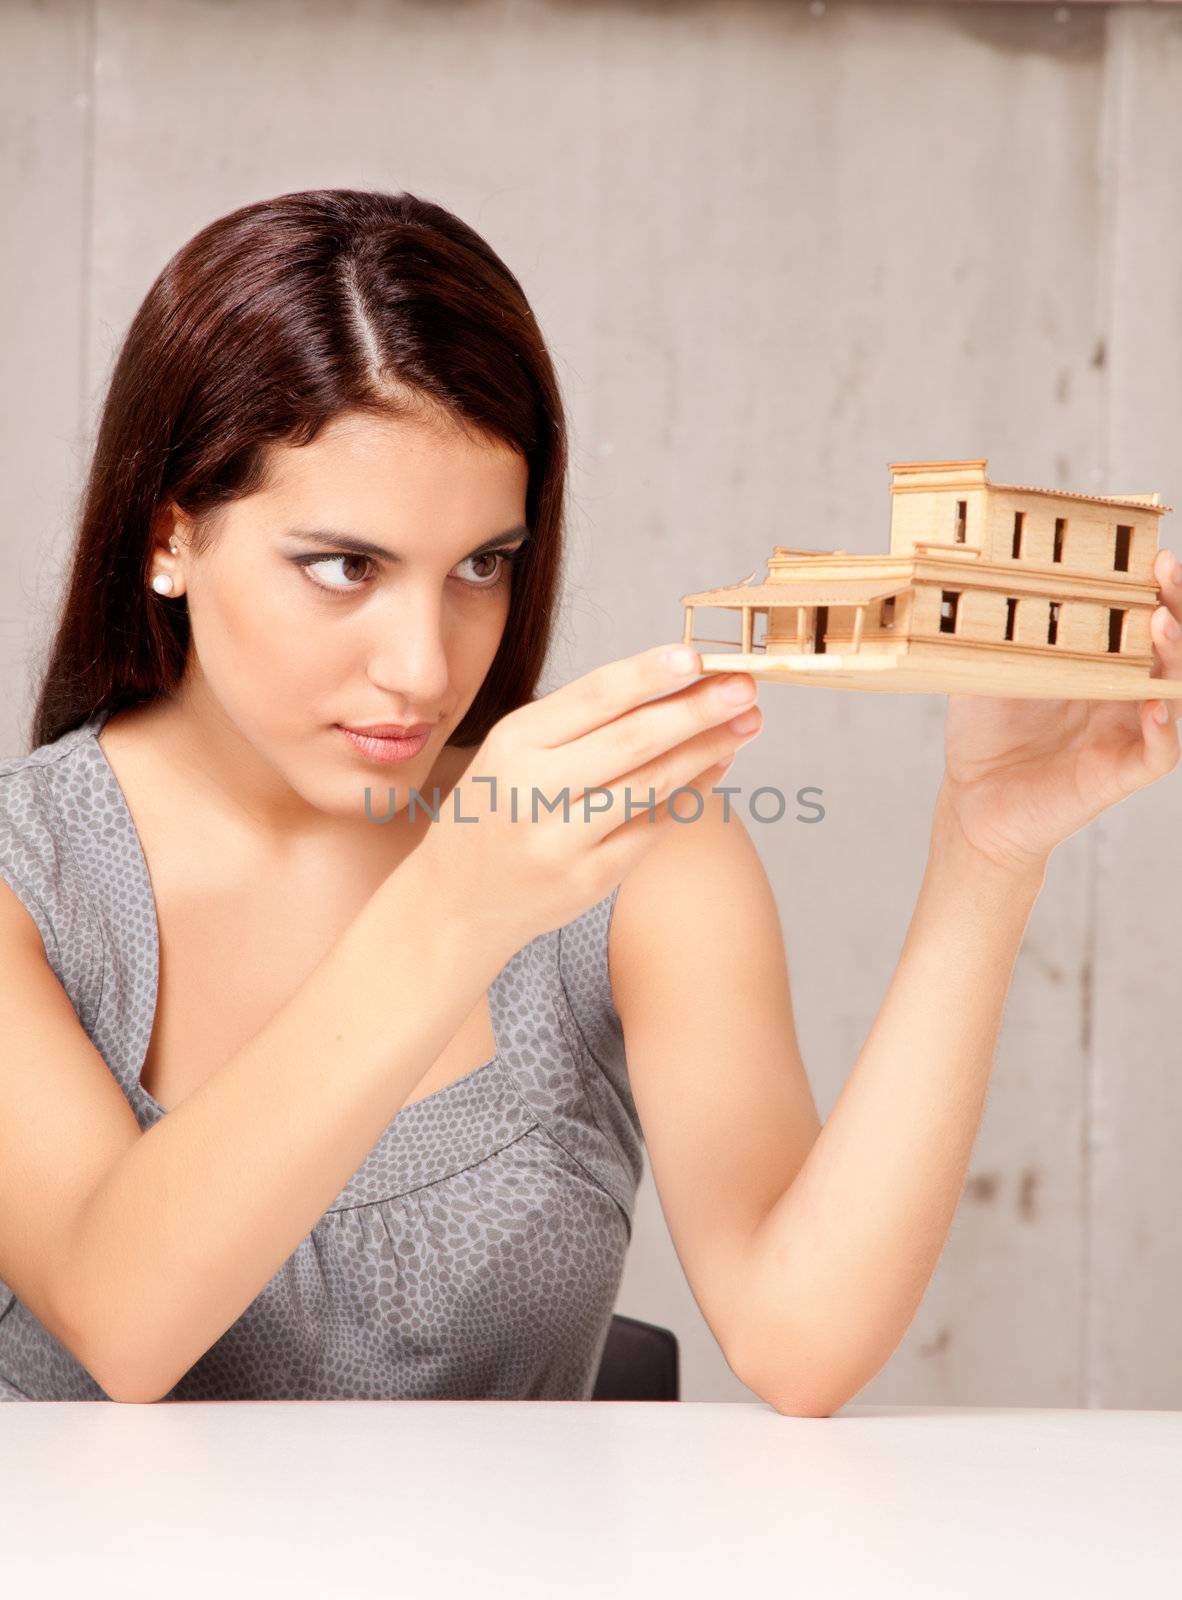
(522, 868)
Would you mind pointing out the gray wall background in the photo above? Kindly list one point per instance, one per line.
(774, 246)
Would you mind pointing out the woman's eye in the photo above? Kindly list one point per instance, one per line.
(500, 562)
(504, 557)
(328, 561)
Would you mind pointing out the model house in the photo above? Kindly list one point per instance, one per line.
(990, 588)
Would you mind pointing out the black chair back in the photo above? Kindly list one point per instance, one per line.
(639, 1362)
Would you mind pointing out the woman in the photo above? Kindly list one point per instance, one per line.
(244, 980)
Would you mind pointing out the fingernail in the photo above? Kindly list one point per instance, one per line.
(739, 688)
(1161, 713)
(681, 658)
(1173, 628)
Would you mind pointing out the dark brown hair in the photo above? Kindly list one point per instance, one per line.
(268, 323)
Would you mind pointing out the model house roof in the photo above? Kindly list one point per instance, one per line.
(836, 591)
(978, 478)
(1135, 502)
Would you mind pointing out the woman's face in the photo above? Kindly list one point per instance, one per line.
(296, 631)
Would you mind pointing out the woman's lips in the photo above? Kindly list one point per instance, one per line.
(386, 749)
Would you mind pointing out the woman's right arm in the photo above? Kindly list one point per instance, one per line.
(138, 1250)
(156, 1242)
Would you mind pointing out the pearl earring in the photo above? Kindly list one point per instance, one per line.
(162, 583)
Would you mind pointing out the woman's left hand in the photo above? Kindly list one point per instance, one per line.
(1023, 775)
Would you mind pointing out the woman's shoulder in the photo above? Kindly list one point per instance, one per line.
(46, 755)
(36, 795)
(701, 865)
(38, 862)
(30, 784)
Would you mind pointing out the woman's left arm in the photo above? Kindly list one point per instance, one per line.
(809, 1247)
(841, 1262)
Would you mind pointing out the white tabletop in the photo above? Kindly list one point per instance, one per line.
(484, 1498)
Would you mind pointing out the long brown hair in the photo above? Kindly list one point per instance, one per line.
(268, 323)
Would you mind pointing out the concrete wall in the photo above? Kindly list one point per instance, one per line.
(774, 247)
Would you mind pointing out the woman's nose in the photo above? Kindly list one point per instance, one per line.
(409, 658)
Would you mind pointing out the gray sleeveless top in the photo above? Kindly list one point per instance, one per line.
(477, 1251)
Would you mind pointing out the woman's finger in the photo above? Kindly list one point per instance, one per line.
(1165, 633)
(1159, 749)
(1155, 753)
(1168, 574)
(584, 705)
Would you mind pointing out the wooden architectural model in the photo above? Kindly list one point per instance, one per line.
(988, 588)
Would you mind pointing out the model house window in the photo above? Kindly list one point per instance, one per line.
(887, 617)
(948, 599)
(962, 517)
(1124, 537)
(1011, 609)
(1019, 519)
(1053, 623)
(1116, 623)
(1060, 529)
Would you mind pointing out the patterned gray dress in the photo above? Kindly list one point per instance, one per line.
(477, 1251)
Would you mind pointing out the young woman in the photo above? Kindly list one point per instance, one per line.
(309, 1092)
